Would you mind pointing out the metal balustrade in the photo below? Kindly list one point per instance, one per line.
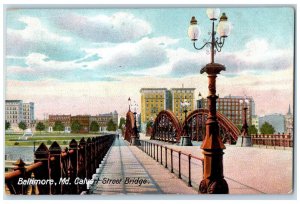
(274, 140)
(55, 171)
(184, 165)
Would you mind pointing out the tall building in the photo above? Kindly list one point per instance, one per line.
(276, 120)
(14, 111)
(289, 122)
(153, 100)
(17, 111)
(178, 96)
(231, 107)
(28, 114)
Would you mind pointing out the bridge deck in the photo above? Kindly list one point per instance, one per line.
(128, 162)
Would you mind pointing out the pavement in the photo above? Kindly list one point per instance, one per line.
(247, 170)
(128, 170)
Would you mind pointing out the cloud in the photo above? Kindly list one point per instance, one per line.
(98, 64)
(37, 38)
(128, 57)
(117, 28)
(257, 56)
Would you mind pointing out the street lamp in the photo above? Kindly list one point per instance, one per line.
(245, 139)
(135, 137)
(199, 102)
(129, 104)
(185, 139)
(213, 178)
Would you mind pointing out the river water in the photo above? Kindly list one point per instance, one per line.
(15, 153)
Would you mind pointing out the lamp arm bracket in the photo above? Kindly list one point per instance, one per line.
(194, 43)
(219, 43)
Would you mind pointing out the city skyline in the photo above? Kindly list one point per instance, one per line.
(95, 64)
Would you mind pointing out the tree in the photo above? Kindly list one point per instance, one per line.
(94, 126)
(252, 130)
(76, 126)
(40, 126)
(58, 126)
(111, 126)
(7, 125)
(267, 128)
(22, 125)
(122, 121)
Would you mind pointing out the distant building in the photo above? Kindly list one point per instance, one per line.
(231, 107)
(103, 119)
(64, 119)
(289, 122)
(255, 122)
(153, 100)
(276, 120)
(28, 114)
(178, 96)
(17, 111)
(84, 121)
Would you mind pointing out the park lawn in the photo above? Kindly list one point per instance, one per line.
(37, 143)
(62, 139)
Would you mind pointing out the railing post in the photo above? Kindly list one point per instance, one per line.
(73, 166)
(172, 161)
(88, 158)
(82, 163)
(161, 155)
(151, 149)
(42, 173)
(15, 188)
(190, 180)
(166, 157)
(55, 167)
(157, 152)
(154, 151)
(179, 164)
(93, 158)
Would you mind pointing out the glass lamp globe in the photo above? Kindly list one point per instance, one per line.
(224, 26)
(194, 30)
(213, 13)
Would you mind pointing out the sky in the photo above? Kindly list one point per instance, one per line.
(89, 61)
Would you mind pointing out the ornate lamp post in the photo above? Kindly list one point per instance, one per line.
(213, 178)
(245, 139)
(135, 138)
(199, 101)
(129, 104)
(185, 139)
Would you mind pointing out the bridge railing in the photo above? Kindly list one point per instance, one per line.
(57, 171)
(274, 140)
(186, 166)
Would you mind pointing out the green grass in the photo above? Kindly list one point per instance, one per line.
(60, 138)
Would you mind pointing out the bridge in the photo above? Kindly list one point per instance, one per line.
(110, 164)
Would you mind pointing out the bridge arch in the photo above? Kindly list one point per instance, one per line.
(196, 126)
(166, 127)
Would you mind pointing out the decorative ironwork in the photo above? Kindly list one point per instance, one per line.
(166, 127)
(196, 122)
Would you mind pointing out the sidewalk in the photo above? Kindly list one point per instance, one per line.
(128, 170)
(247, 170)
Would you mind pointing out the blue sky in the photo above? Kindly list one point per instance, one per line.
(71, 46)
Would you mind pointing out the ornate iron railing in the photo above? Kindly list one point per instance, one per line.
(274, 140)
(59, 171)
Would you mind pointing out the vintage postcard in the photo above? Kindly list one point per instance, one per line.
(119, 101)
